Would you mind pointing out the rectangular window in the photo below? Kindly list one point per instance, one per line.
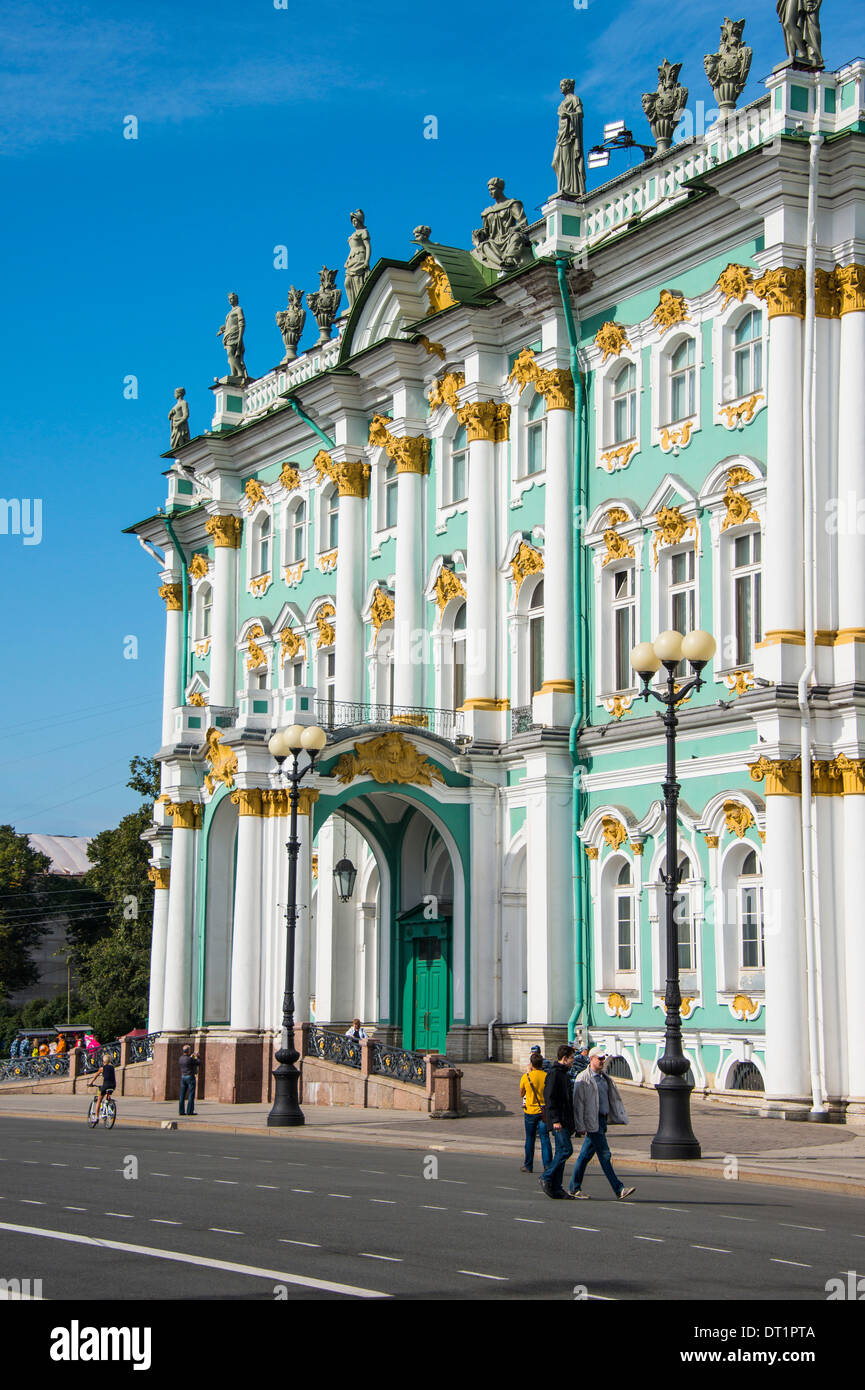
(535, 443)
(751, 918)
(537, 654)
(625, 932)
(685, 932)
(747, 595)
(458, 477)
(623, 628)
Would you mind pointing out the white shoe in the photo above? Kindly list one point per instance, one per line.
(626, 1192)
(583, 1195)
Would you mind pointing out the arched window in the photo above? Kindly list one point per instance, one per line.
(683, 381)
(624, 403)
(535, 436)
(623, 897)
(747, 350)
(536, 639)
(458, 481)
(458, 690)
(390, 495)
(297, 534)
(750, 914)
(261, 554)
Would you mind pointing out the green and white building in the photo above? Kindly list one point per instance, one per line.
(403, 536)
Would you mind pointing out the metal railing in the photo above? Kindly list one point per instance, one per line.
(521, 720)
(334, 1047)
(398, 1063)
(341, 714)
(51, 1068)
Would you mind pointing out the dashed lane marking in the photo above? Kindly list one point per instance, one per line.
(159, 1175)
(475, 1213)
(229, 1182)
(393, 1259)
(306, 1190)
(456, 1182)
(269, 1185)
(792, 1226)
(657, 1239)
(32, 1202)
(92, 1168)
(682, 1209)
(586, 1228)
(799, 1263)
(383, 1201)
(714, 1249)
(223, 1231)
(123, 1215)
(530, 1220)
(283, 1240)
(343, 1196)
(737, 1218)
(59, 1165)
(180, 1257)
(74, 1208)
(476, 1274)
(162, 1221)
(426, 1206)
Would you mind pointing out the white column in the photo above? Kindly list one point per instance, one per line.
(324, 927)
(223, 663)
(555, 705)
(408, 601)
(853, 811)
(483, 425)
(850, 643)
(177, 1007)
(780, 657)
(349, 594)
(786, 1010)
(171, 697)
(485, 908)
(246, 943)
(827, 336)
(157, 949)
(302, 989)
(549, 919)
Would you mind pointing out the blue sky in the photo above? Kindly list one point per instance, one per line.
(257, 127)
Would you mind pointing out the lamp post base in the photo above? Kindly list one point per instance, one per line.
(286, 1109)
(675, 1138)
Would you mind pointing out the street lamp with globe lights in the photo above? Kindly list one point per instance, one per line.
(286, 743)
(674, 1138)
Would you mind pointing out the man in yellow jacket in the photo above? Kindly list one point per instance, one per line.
(532, 1084)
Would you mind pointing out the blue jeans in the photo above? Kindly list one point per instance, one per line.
(187, 1093)
(555, 1170)
(536, 1126)
(596, 1143)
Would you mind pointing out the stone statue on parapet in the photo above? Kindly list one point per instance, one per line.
(568, 163)
(178, 420)
(357, 265)
(290, 323)
(422, 233)
(727, 70)
(800, 20)
(665, 106)
(324, 303)
(231, 334)
(502, 242)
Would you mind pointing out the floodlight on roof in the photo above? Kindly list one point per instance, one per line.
(598, 159)
(613, 130)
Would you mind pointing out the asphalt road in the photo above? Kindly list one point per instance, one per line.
(229, 1217)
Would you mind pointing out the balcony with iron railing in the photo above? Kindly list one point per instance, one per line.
(337, 715)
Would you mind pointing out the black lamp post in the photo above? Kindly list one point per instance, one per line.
(292, 741)
(675, 1138)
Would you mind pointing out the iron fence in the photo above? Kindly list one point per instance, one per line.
(342, 714)
(334, 1047)
(521, 720)
(398, 1063)
(51, 1068)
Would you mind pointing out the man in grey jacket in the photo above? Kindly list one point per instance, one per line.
(597, 1103)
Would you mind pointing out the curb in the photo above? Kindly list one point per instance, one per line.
(849, 1187)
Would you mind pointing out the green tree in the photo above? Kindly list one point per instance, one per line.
(21, 921)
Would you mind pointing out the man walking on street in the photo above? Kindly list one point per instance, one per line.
(597, 1103)
(560, 1115)
(532, 1091)
(188, 1072)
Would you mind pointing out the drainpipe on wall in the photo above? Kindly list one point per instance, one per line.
(809, 849)
(298, 410)
(581, 992)
(184, 585)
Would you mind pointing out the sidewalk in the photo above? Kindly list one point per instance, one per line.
(823, 1157)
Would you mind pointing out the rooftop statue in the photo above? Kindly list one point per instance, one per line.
(568, 163)
(357, 265)
(727, 70)
(324, 303)
(800, 20)
(665, 106)
(231, 333)
(290, 323)
(502, 242)
(178, 420)
(422, 233)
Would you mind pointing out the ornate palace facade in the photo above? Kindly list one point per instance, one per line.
(431, 536)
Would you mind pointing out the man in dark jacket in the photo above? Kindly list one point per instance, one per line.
(558, 1100)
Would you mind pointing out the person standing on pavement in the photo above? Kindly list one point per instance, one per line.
(560, 1115)
(597, 1103)
(188, 1072)
(539, 1061)
(532, 1091)
(581, 1060)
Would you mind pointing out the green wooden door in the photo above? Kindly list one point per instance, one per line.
(430, 994)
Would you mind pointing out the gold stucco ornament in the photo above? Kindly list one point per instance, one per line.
(444, 391)
(223, 762)
(611, 338)
(735, 282)
(526, 561)
(614, 832)
(326, 634)
(448, 586)
(256, 656)
(389, 758)
(737, 818)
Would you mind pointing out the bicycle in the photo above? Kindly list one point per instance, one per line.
(103, 1109)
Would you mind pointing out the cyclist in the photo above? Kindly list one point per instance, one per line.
(109, 1079)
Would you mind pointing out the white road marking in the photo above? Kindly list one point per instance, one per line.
(92, 1168)
(187, 1177)
(124, 1215)
(161, 1221)
(159, 1175)
(269, 1185)
(604, 1297)
(180, 1257)
(29, 1160)
(715, 1249)
(738, 1218)
(684, 1209)
(456, 1182)
(307, 1190)
(475, 1213)
(231, 1182)
(310, 1243)
(530, 1220)
(657, 1239)
(344, 1196)
(383, 1201)
(791, 1225)
(31, 1202)
(799, 1263)
(586, 1228)
(425, 1206)
(474, 1274)
(393, 1259)
(379, 1172)
(74, 1208)
(223, 1231)
(232, 1158)
(59, 1165)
